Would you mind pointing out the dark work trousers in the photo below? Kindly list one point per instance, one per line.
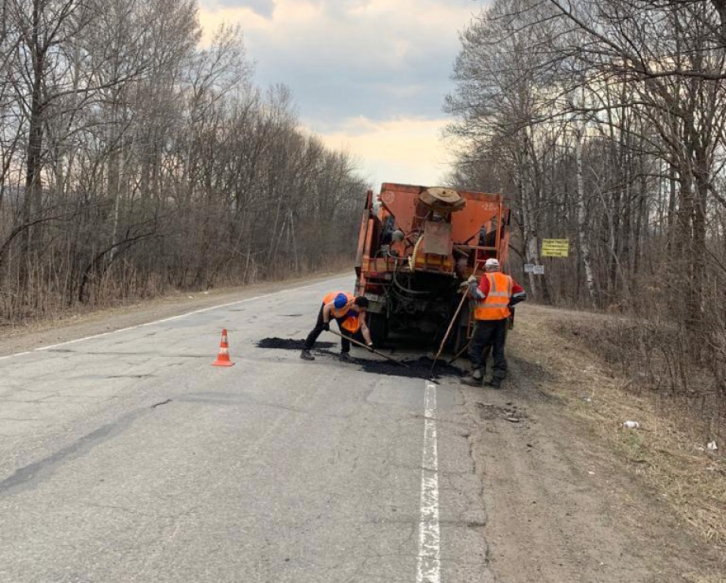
(489, 333)
(318, 330)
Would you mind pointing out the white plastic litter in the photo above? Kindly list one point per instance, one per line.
(712, 446)
(631, 425)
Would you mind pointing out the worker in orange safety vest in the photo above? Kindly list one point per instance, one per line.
(495, 293)
(350, 313)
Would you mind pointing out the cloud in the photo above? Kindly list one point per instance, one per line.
(264, 8)
(406, 150)
(343, 58)
(369, 76)
(212, 19)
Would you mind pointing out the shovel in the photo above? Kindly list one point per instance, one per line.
(371, 349)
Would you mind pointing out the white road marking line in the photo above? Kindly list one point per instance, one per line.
(16, 354)
(429, 560)
(52, 346)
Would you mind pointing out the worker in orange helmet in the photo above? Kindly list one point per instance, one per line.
(350, 313)
(495, 293)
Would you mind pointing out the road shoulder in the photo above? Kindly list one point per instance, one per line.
(83, 324)
(564, 502)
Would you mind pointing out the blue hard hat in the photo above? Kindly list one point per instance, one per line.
(340, 301)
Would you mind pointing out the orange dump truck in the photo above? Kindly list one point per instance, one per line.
(416, 246)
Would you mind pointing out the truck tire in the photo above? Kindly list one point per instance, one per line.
(378, 326)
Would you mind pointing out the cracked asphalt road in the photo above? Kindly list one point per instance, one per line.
(127, 457)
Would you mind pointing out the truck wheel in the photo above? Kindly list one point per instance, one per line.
(378, 325)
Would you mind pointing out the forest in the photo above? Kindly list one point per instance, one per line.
(137, 159)
(603, 122)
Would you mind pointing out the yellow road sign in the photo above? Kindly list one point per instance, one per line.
(555, 248)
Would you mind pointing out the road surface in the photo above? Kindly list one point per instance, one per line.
(127, 457)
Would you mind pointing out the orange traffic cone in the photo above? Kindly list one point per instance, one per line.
(223, 357)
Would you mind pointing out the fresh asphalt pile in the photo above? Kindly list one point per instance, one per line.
(289, 343)
(415, 367)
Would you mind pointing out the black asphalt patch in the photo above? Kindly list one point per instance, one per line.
(290, 343)
(415, 367)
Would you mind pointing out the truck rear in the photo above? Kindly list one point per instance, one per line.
(416, 245)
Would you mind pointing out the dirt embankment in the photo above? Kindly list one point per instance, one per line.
(570, 494)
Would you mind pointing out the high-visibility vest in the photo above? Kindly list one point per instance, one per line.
(496, 305)
(349, 313)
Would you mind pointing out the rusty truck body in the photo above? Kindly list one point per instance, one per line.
(416, 246)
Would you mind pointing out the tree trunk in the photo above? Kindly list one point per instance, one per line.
(33, 182)
(582, 222)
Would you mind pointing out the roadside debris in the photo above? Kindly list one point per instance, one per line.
(511, 413)
(712, 446)
(631, 425)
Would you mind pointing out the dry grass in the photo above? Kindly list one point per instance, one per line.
(42, 304)
(58, 313)
(668, 452)
(81, 321)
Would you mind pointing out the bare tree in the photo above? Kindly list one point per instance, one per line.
(604, 121)
(131, 160)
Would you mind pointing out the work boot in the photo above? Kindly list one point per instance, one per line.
(495, 383)
(305, 355)
(345, 357)
(474, 379)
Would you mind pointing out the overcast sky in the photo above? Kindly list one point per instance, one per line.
(368, 76)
